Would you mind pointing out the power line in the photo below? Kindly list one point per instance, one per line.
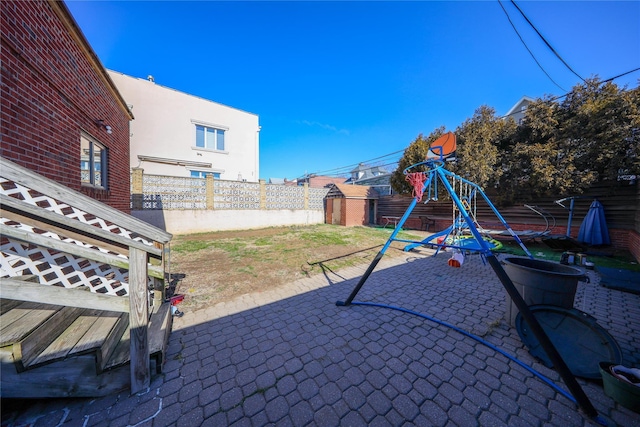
(621, 75)
(545, 41)
(346, 169)
(527, 47)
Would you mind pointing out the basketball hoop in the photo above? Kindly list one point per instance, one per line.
(416, 180)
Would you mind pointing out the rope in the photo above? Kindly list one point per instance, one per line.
(417, 180)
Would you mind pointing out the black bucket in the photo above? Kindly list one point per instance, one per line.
(541, 282)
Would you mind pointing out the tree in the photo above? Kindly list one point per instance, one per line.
(602, 122)
(563, 148)
(479, 139)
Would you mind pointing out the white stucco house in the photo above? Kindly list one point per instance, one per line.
(517, 111)
(178, 134)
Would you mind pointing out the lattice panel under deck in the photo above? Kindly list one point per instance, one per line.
(59, 269)
(35, 198)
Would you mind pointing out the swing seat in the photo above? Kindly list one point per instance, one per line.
(456, 260)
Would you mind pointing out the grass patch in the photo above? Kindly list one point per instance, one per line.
(611, 258)
(221, 265)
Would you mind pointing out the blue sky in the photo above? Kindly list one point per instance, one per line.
(337, 83)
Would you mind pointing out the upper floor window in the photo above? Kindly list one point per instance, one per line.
(203, 174)
(210, 138)
(93, 162)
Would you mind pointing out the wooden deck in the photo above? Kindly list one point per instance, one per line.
(57, 351)
(82, 292)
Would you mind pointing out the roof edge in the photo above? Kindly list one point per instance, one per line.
(64, 14)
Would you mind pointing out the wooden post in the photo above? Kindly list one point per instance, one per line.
(263, 194)
(137, 195)
(209, 190)
(139, 320)
(306, 196)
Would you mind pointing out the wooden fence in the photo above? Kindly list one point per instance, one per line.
(621, 201)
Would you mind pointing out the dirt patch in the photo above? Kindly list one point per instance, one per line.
(219, 266)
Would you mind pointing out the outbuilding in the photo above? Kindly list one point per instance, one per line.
(351, 205)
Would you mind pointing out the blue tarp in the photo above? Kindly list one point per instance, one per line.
(593, 230)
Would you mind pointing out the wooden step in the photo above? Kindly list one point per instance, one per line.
(22, 319)
(159, 329)
(87, 333)
(53, 351)
(28, 350)
(41, 333)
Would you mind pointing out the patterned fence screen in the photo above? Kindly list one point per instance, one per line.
(176, 193)
(284, 197)
(172, 193)
(236, 195)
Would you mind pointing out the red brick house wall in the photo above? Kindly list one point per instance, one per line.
(634, 244)
(54, 87)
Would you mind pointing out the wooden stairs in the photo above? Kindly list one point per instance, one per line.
(50, 350)
(83, 308)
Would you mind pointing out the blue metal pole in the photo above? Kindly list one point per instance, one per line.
(380, 254)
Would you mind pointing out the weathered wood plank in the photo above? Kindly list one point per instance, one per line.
(159, 330)
(62, 345)
(98, 332)
(17, 290)
(139, 320)
(12, 315)
(57, 191)
(73, 377)
(26, 213)
(28, 349)
(111, 342)
(22, 320)
(68, 248)
(8, 304)
(120, 354)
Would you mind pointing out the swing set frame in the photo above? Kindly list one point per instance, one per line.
(436, 172)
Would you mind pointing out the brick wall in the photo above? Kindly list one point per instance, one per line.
(53, 87)
(356, 212)
(634, 244)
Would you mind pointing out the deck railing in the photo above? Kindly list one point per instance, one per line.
(69, 242)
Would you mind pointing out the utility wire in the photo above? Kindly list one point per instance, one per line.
(555, 98)
(545, 41)
(527, 47)
(620, 75)
(348, 168)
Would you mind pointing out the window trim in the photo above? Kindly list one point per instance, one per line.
(209, 125)
(104, 168)
(213, 172)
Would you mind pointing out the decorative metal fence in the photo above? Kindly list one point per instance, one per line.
(159, 192)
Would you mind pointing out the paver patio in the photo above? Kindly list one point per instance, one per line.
(291, 357)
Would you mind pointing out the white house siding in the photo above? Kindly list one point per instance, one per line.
(164, 128)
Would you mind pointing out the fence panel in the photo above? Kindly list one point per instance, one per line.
(284, 197)
(159, 192)
(170, 192)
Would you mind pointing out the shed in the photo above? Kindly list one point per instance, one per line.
(351, 205)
